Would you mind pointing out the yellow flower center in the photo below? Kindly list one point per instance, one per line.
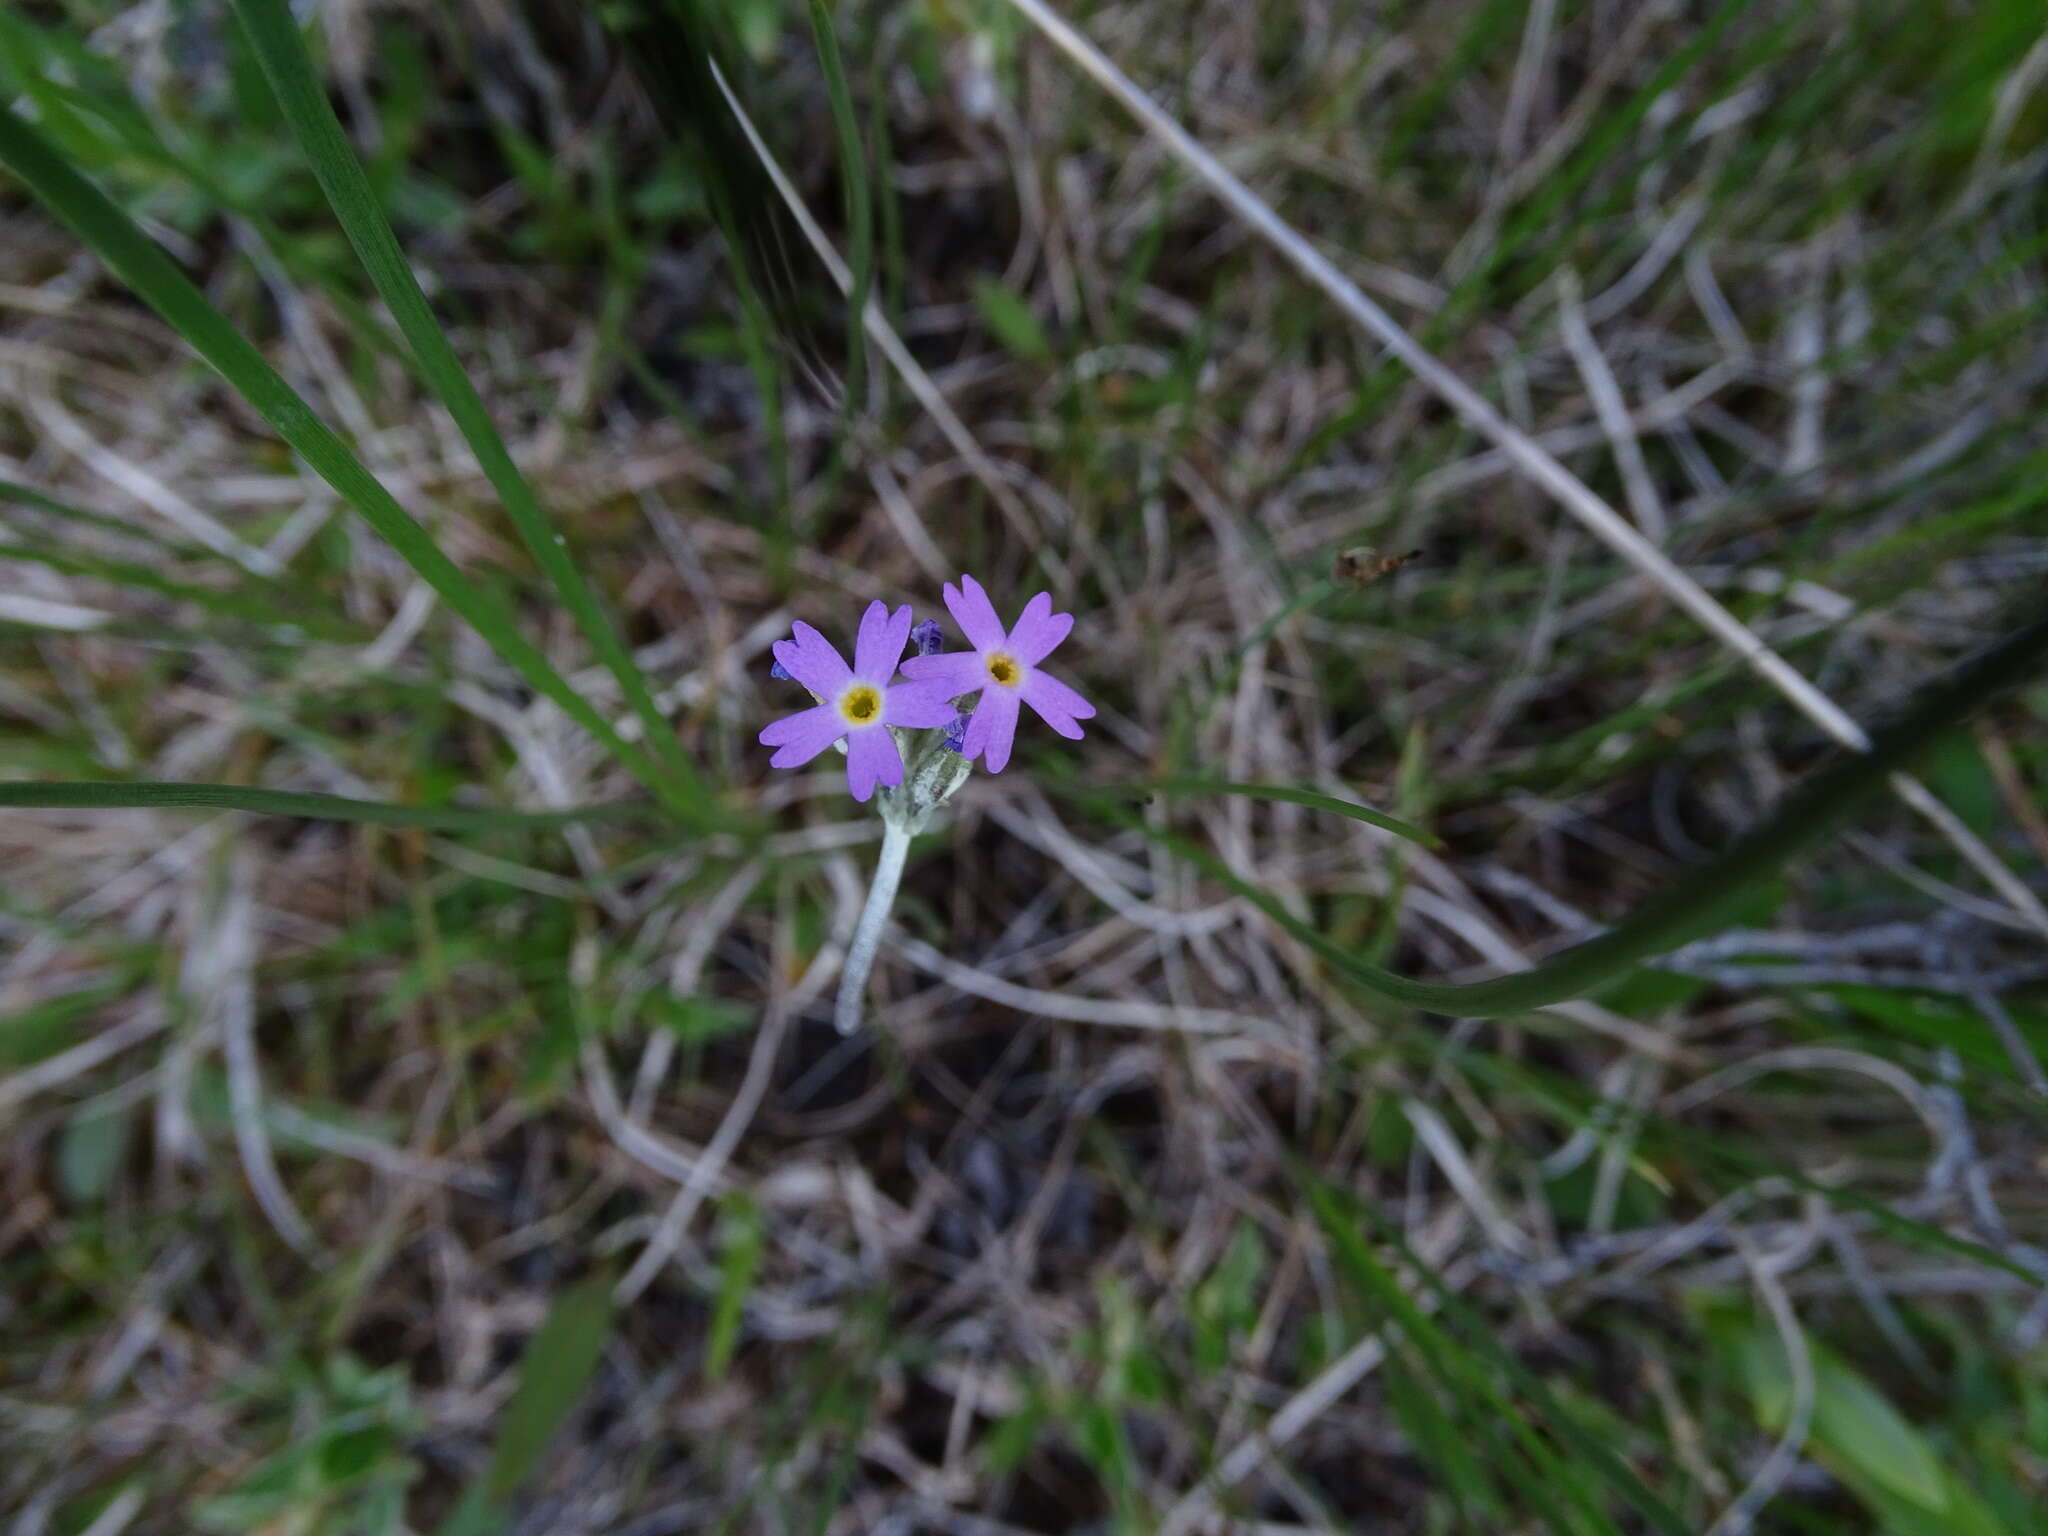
(861, 704)
(1005, 669)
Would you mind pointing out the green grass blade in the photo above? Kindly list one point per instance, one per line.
(289, 67)
(558, 1365)
(741, 1242)
(138, 262)
(675, 47)
(126, 137)
(860, 220)
(1707, 1152)
(1511, 1445)
(1706, 895)
(891, 258)
(146, 269)
(1599, 150)
(1285, 794)
(1456, 1449)
(88, 795)
(35, 500)
(1490, 26)
(228, 605)
(1336, 1210)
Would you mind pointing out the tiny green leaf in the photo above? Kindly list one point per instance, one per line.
(1015, 326)
(354, 1453)
(89, 1153)
(739, 1259)
(696, 1020)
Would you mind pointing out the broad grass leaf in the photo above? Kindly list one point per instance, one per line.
(558, 1365)
(1852, 1421)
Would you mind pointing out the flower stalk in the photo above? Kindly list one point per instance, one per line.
(867, 936)
(935, 774)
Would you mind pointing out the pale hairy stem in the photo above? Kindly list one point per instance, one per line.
(867, 935)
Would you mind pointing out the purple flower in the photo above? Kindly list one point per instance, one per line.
(1003, 669)
(927, 637)
(856, 702)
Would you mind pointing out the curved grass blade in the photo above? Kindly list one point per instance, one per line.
(289, 68)
(91, 795)
(1705, 896)
(1284, 794)
(144, 267)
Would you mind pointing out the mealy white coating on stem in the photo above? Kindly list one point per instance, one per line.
(874, 917)
(933, 776)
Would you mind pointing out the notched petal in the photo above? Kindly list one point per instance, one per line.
(1049, 697)
(997, 716)
(813, 660)
(880, 641)
(974, 613)
(871, 759)
(802, 736)
(1038, 630)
